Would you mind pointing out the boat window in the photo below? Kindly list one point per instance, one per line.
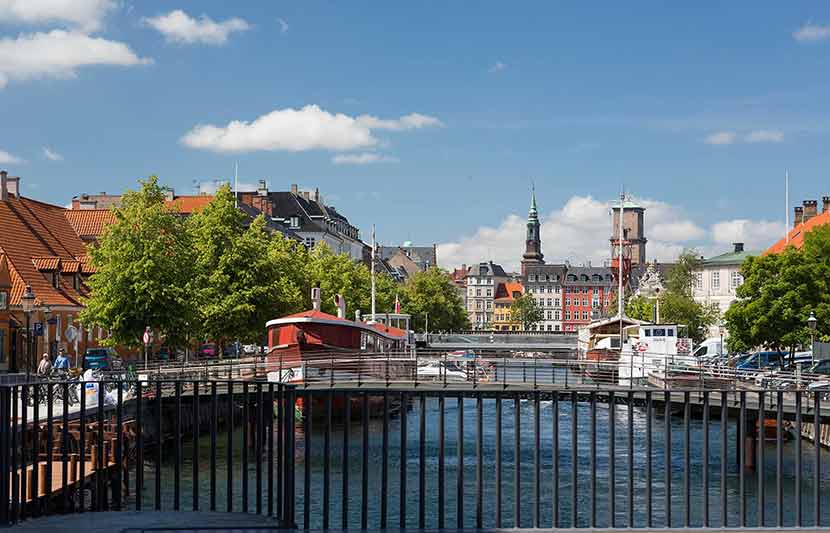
(659, 332)
(615, 343)
(670, 332)
(647, 332)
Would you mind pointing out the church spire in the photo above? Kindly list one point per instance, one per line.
(533, 242)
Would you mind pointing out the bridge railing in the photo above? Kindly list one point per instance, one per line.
(408, 456)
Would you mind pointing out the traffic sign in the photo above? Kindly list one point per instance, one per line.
(148, 336)
(71, 333)
(38, 329)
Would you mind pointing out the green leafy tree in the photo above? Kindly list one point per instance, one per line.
(144, 269)
(340, 274)
(778, 294)
(433, 294)
(640, 308)
(240, 282)
(526, 311)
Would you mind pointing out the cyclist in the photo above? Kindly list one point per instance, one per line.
(62, 361)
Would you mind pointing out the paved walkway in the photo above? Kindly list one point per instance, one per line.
(138, 521)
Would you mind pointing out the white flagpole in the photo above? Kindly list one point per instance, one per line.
(620, 263)
(787, 206)
(236, 184)
(373, 272)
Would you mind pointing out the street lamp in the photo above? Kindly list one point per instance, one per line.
(811, 323)
(27, 302)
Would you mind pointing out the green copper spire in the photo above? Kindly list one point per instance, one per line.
(533, 214)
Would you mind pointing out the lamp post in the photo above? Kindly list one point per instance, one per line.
(812, 322)
(27, 302)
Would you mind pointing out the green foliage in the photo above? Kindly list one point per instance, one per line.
(241, 276)
(145, 269)
(340, 274)
(778, 294)
(640, 308)
(433, 293)
(526, 311)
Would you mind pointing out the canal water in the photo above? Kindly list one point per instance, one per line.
(603, 490)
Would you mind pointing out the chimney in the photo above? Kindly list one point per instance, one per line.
(357, 316)
(316, 194)
(739, 247)
(293, 188)
(169, 195)
(810, 209)
(798, 213)
(262, 190)
(825, 200)
(315, 298)
(340, 302)
(4, 185)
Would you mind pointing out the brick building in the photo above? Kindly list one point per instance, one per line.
(506, 294)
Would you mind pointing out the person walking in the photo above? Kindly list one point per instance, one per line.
(62, 361)
(45, 365)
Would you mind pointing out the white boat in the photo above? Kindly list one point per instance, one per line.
(655, 351)
(438, 370)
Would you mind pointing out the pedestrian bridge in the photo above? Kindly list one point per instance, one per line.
(552, 343)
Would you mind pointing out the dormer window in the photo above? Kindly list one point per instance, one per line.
(76, 282)
(294, 222)
(4, 300)
(56, 280)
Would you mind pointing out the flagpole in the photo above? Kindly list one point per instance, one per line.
(236, 184)
(373, 272)
(787, 206)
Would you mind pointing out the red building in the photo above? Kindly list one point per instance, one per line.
(588, 291)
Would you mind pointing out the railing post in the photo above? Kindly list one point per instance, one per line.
(287, 394)
(5, 454)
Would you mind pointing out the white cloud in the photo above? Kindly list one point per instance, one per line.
(362, 159)
(283, 25)
(764, 136)
(498, 66)
(58, 54)
(755, 234)
(296, 130)
(580, 230)
(179, 27)
(51, 154)
(811, 32)
(211, 186)
(411, 121)
(720, 137)
(86, 15)
(8, 159)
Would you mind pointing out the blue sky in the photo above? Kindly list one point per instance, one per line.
(451, 108)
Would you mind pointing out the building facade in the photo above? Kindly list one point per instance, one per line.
(407, 259)
(305, 214)
(588, 292)
(633, 232)
(719, 277)
(481, 282)
(506, 294)
(545, 284)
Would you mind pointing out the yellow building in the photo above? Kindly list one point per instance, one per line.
(505, 294)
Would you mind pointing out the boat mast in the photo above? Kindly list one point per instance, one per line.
(620, 295)
(787, 206)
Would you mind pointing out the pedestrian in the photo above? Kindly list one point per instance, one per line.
(62, 361)
(45, 365)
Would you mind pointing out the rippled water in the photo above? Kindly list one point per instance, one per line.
(526, 491)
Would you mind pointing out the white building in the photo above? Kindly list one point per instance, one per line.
(719, 276)
(482, 280)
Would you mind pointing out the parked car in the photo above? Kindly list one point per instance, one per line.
(101, 359)
(762, 360)
(208, 350)
(820, 367)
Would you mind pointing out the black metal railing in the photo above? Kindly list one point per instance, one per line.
(410, 455)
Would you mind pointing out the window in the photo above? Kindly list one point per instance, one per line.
(567, 300)
(56, 280)
(309, 242)
(557, 289)
(294, 222)
(556, 327)
(3, 302)
(647, 332)
(549, 315)
(567, 315)
(659, 332)
(736, 280)
(584, 290)
(489, 304)
(478, 292)
(670, 332)
(489, 292)
(585, 302)
(716, 280)
(556, 315)
(584, 315)
(698, 280)
(556, 302)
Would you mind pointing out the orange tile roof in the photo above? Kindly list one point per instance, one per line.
(70, 266)
(187, 205)
(89, 223)
(796, 235)
(47, 264)
(504, 291)
(29, 232)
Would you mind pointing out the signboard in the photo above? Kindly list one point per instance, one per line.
(52, 321)
(71, 333)
(38, 329)
(147, 337)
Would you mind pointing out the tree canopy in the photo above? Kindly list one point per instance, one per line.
(432, 293)
(525, 310)
(779, 292)
(144, 271)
